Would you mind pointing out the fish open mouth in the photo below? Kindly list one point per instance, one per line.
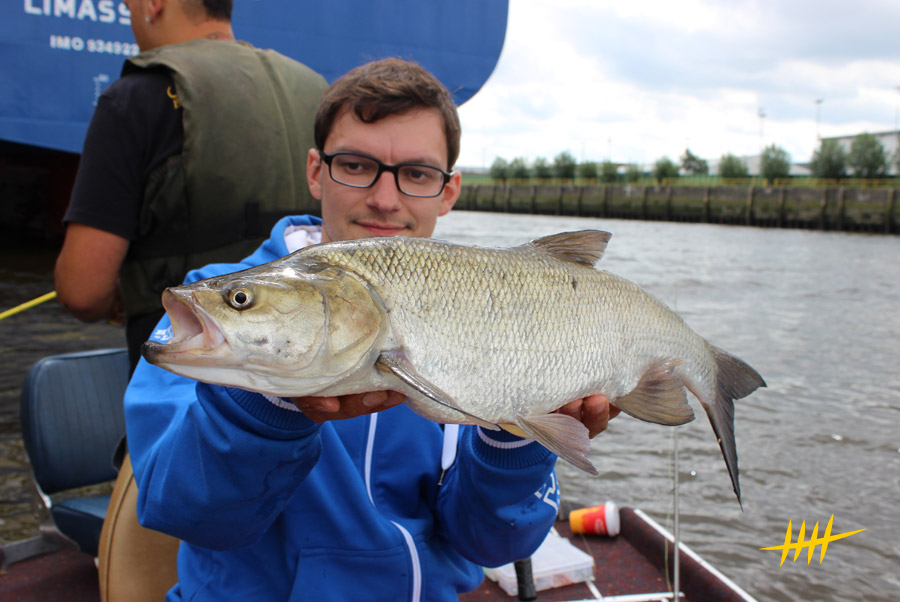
(196, 336)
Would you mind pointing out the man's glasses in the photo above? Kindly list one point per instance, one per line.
(362, 171)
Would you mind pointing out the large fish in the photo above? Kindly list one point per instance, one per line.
(471, 335)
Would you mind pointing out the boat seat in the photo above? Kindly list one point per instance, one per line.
(72, 420)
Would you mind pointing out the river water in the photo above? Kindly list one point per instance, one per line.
(817, 314)
(27, 273)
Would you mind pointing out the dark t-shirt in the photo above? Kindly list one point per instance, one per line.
(134, 129)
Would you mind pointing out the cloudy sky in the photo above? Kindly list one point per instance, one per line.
(638, 80)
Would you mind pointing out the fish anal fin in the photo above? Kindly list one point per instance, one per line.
(660, 396)
(397, 363)
(565, 436)
(583, 246)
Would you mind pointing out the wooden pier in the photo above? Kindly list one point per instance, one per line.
(837, 209)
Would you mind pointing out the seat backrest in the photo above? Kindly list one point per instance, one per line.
(72, 417)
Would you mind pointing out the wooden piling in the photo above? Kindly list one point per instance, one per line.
(706, 195)
(748, 216)
(889, 211)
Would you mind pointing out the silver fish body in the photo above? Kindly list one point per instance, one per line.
(471, 335)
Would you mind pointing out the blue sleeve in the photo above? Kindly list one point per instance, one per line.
(500, 498)
(214, 466)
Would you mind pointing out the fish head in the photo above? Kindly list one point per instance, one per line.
(283, 328)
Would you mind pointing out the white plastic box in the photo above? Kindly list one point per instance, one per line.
(555, 563)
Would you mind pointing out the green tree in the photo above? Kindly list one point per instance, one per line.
(499, 170)
(731, 166)
(564, 166)
(867, 157)
(693, 164)
(518, 169)
(588, 170)
(609, 172)
(633, 173)
(829, 161)
(774, 164)
(541, 169)
(664, 169)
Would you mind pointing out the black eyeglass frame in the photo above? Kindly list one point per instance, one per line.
(383, 167)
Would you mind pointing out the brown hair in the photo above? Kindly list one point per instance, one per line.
(219, 10)
(388, 87)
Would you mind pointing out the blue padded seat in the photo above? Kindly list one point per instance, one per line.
(72, 420)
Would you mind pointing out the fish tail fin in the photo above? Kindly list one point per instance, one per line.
(565, 436)
(735, 379)
(659, 396)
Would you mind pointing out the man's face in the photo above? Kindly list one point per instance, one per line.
(382, 210)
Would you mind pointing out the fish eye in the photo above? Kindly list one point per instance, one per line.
(240, 298)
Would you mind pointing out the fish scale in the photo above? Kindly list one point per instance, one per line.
(540, 307)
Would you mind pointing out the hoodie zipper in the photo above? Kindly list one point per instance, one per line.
(407, 537)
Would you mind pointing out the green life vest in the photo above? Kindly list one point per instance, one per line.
(248, 125)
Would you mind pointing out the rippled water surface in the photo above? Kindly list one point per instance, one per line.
(818, 314)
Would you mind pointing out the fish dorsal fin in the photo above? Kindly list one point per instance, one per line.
(582, 246)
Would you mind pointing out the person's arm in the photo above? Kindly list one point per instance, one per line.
(500, 498)
(214, 466)
(128, 135)
(87, 271)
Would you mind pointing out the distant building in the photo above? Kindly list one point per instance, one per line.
(889, 140)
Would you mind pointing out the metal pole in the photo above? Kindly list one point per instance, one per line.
(762, 117)
(818, 109)
(896, 109)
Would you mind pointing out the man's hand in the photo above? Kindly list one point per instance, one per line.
(593, 411)
(320, 409)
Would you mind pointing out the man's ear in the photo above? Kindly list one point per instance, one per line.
(155, 8)
(451, 193)
(314, 171)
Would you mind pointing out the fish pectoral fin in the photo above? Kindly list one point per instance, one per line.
(584, 246)
(397, 363)
(565, 436)
(660, 396)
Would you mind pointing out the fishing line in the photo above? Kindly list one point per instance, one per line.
(673, 516)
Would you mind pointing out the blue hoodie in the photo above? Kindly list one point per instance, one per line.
(272, 506)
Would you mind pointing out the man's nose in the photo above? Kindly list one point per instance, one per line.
(385, 195)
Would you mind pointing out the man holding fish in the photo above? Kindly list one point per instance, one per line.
(346, 497)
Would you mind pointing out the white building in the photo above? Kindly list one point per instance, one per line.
(889, 140)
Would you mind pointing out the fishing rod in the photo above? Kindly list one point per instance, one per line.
(28, 305)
